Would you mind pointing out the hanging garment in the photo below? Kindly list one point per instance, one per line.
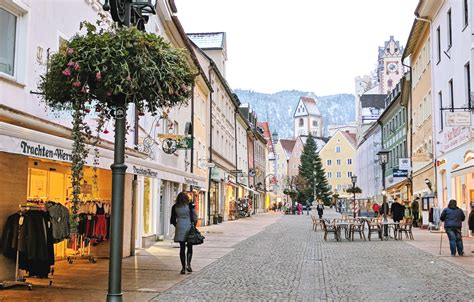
(100, 226)
(60, 221)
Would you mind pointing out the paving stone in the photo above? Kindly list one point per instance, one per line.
(288, 261)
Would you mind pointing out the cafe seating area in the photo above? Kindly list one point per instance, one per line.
(363, 228)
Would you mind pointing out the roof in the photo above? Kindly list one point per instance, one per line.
(311, 105)
(266, 134)
(212, 40)
(414, 37)
(288, 145)
(320, 141)
(373, 100)
(351, 137)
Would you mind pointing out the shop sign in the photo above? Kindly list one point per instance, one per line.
(216, 174)
(45, 151)
(454, 119)
(404, 164)
(184, 143)
(455, 136)
(190, 181)
(144, 172)
(440, 162)
(400, 173)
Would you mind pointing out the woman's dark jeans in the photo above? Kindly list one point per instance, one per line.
(455, 240)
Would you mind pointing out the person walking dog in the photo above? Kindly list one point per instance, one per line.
(453, 217)
(183, 216)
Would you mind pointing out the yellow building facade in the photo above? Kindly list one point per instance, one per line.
(338, 159)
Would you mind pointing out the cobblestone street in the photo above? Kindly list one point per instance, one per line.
(288, 261)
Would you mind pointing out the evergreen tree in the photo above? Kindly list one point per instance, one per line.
(311, 169)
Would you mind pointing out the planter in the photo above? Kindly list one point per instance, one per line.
(220, 219)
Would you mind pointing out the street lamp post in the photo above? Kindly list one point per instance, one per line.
(125, 13)
(354, 181)
(383, 159)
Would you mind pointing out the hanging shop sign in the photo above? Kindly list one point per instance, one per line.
(404, 164)
(458, 118)
(400, 173)
(216, 174)
(455, 136)
(185, 143)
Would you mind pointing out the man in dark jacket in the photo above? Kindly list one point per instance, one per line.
(415, 211)
(453, 218)
(398, 210)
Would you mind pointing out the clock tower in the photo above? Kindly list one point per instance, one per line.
(390, 69)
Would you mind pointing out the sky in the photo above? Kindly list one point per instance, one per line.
(317, 46)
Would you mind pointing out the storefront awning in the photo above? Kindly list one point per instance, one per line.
(247, 188)
(467, 167)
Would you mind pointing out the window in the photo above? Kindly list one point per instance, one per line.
(450, 31)
(451, 93)
(339, 187)
(329, 162)
(467, 80)
(349, 161)
(438, 48)
(8, 23)
(301, 122)
(329, 174)
(338, 162)
(349, 174)
(465, 12)
(315, 123)
(338, 149)
(338, 174)
(440, 98)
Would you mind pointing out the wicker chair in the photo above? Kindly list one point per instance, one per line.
(329, 228)
(375, 227)
(406, 227)
(358, 227)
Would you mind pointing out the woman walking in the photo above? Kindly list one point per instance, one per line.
(182, 217)
(453, 218)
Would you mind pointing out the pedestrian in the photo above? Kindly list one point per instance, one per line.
(183, 216)
(308, 207)
(398, 210)
(470, 220)
(376, 208)
(320, 209)
(452, 216)
(299, 207)
(415, 210)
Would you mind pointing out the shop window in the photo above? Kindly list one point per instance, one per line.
(8, 31)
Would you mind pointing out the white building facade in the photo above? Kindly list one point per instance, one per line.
(452, 57)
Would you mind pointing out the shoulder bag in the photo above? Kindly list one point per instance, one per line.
(194, 237)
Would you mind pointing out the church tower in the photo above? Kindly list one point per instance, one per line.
(389, 69)
(307, 118)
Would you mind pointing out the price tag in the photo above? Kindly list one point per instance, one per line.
(20, 222)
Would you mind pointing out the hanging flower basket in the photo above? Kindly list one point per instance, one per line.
(108, 67)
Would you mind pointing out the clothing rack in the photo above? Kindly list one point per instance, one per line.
(81, 248)
(21, 281)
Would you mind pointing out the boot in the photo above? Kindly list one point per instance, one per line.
(188, 267)
(183, 271)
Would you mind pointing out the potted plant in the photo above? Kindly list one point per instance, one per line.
(106, 68)
(215, 218)
(219, 218)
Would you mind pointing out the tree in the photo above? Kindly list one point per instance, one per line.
(311, 169)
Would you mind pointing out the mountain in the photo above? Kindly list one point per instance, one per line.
(278, 108)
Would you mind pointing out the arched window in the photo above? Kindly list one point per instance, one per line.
(301, 122)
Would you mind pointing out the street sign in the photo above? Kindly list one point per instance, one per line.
(458, 118)
(236, 172)
(400, 173)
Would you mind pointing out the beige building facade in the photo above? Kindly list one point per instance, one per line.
(337, 157)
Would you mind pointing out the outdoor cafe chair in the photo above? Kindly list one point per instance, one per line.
(406, 227)
(316, 222)
(329, 228)
(358, 227)
(375, 227)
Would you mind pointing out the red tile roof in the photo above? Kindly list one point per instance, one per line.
(351, 137)
(288, 145)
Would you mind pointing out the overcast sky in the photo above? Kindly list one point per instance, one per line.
(309, 45)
